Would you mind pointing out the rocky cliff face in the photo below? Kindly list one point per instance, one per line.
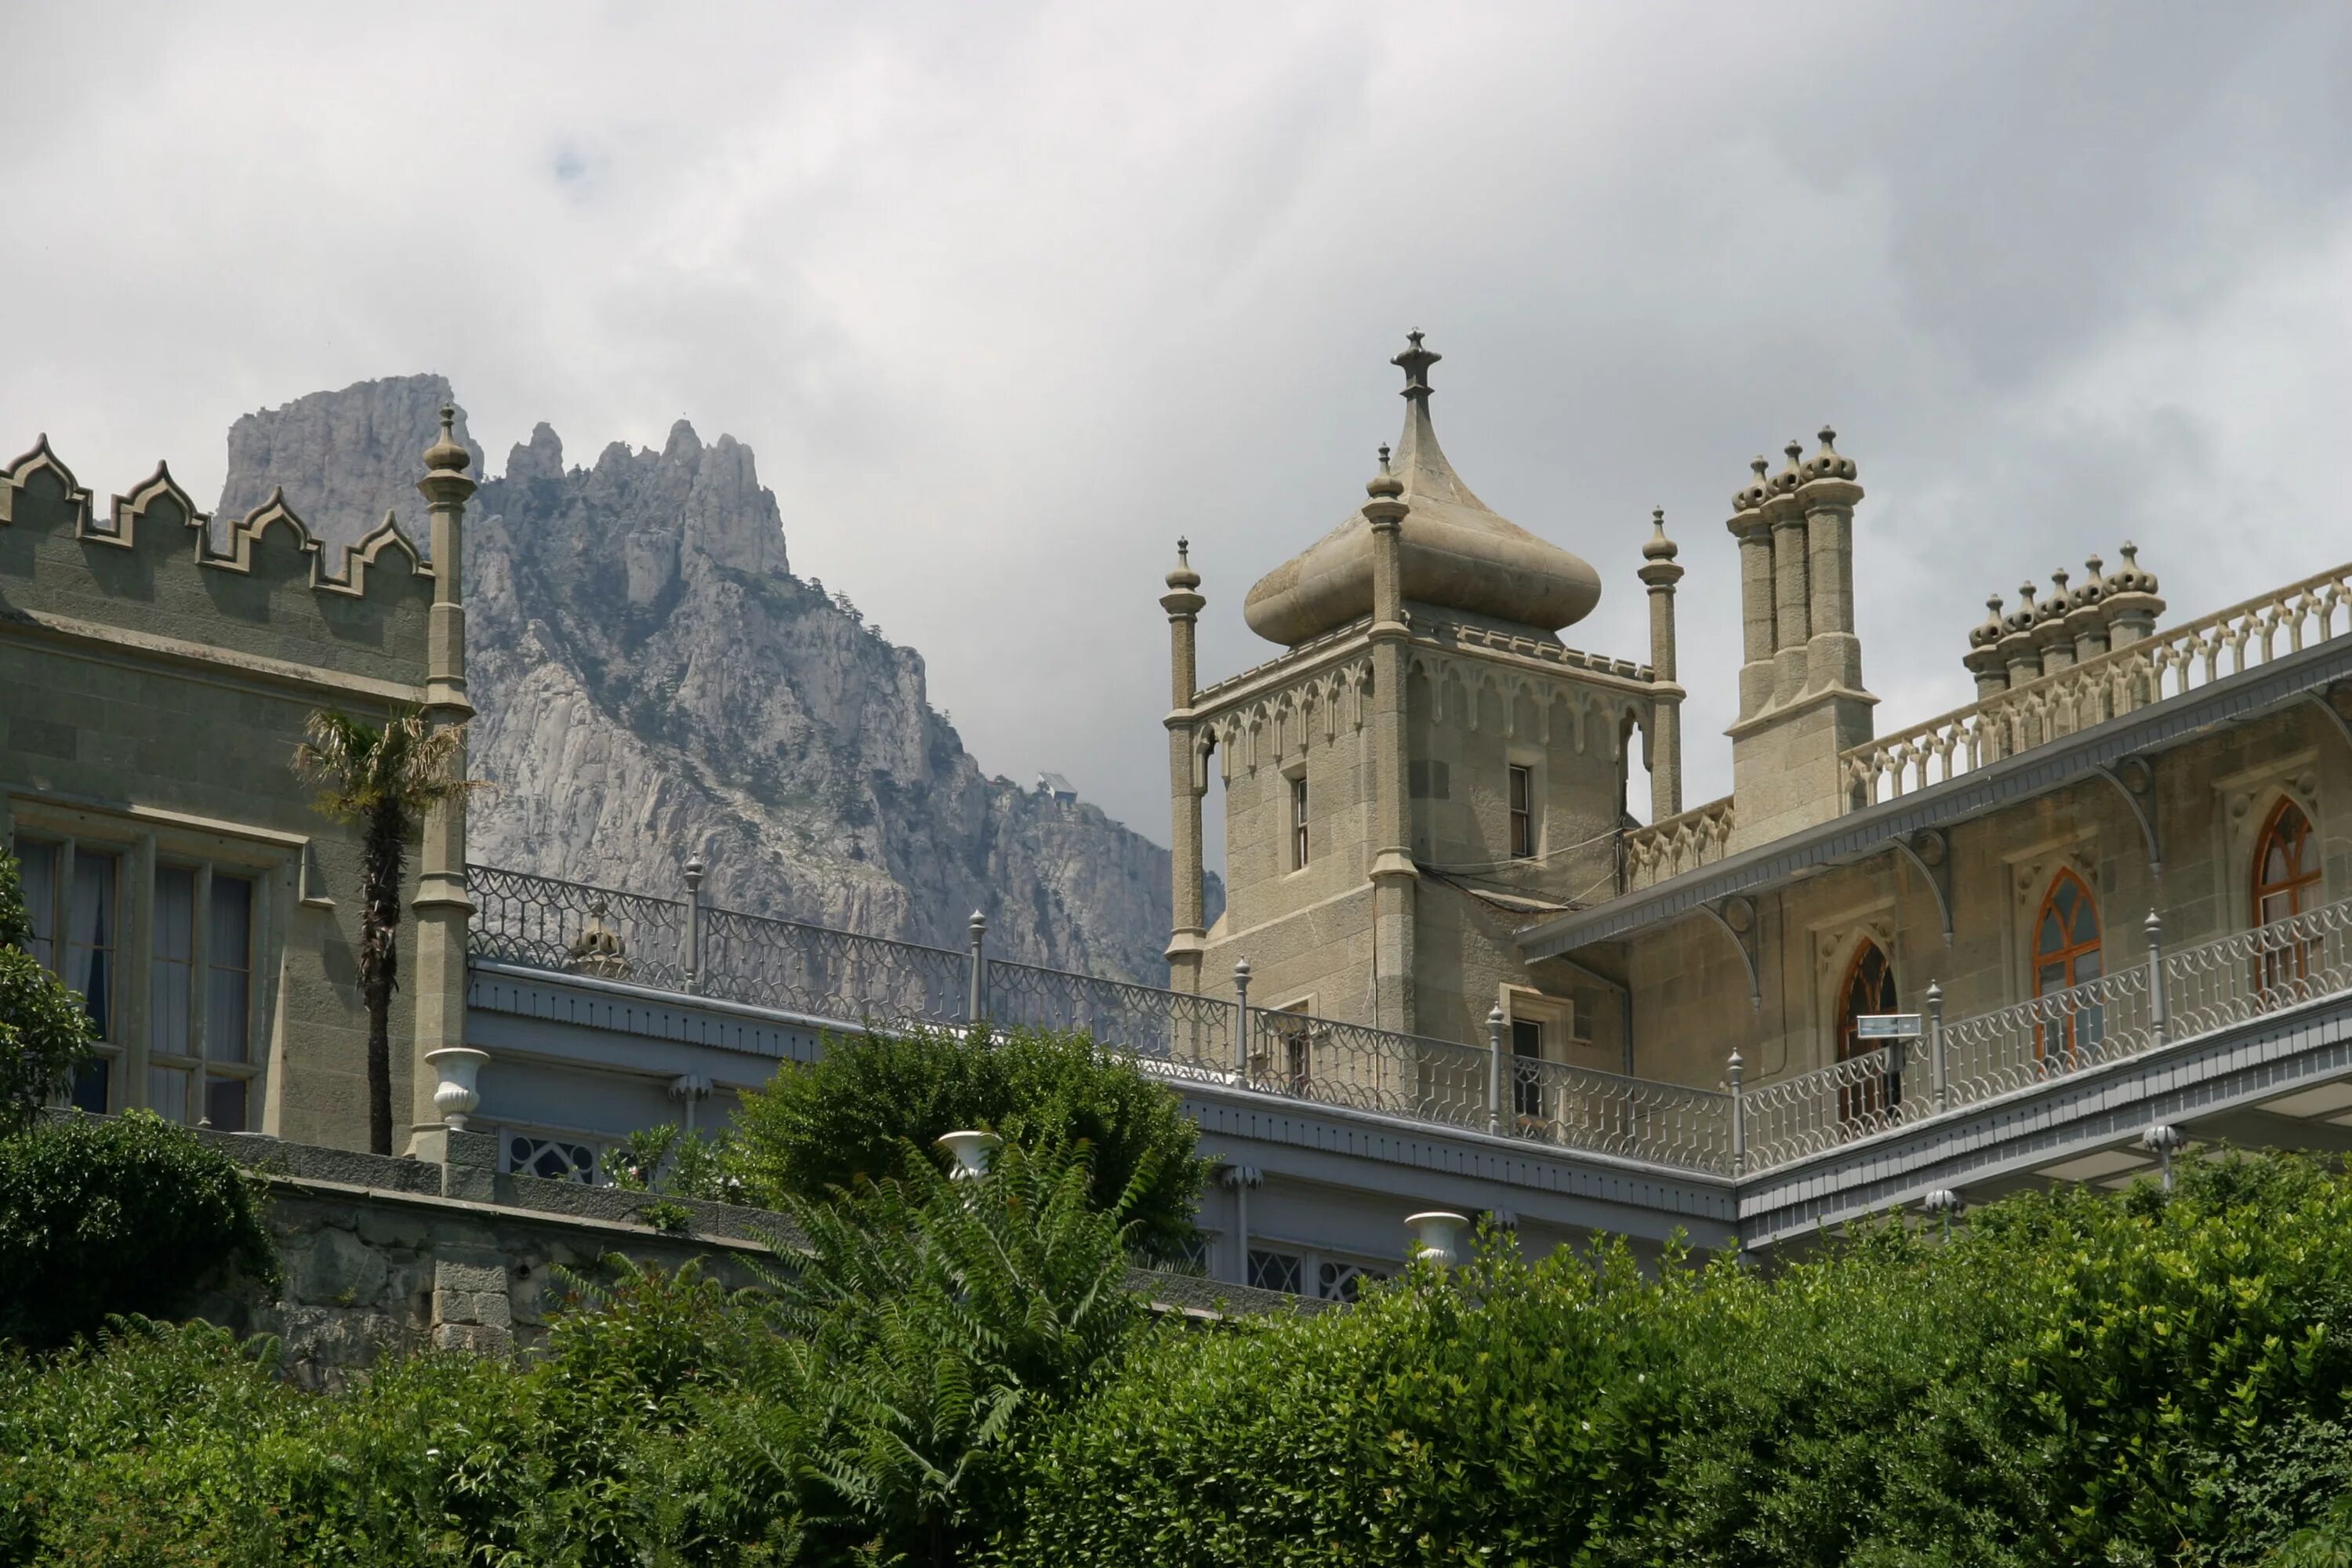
(653, 681)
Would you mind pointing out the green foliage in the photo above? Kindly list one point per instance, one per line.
(933, 1327)
(956, 1374)
(127, 1214)
(2073, 1379)
(667, 1159)
(45, 1032)
(844, 1119)
(384, 781)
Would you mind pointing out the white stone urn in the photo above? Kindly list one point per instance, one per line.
(972, 1151)
(1437, 1234)
(456, 1096)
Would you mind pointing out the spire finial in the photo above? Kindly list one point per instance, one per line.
(1384, 485)
(1183, 580)
(445, 456)
(1415, 362)
(1658, 547)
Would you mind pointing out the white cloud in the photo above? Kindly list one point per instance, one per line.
(1006, 298)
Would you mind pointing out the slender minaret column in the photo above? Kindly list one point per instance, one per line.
(1754, 535)
(1660, 573)
(1791, 597)
(443, 910)
(1395, 878)
(1827, 494)
(1189, 937)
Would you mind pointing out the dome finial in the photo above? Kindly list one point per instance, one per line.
(445, 455)
(1384, 484)
(1184, 579)
(1659, 547)
(1415, 362)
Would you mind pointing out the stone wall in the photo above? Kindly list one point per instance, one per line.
(384, 1254)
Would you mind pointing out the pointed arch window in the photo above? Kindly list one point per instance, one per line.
(2067, 953)
(2286, 884)
(1869, 988)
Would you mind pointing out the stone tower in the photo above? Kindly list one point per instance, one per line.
(1423, 767)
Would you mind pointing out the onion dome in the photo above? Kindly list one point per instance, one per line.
(2092, 589)
(1659, 547)
(445, 455)
(1829, 463)
(2022, 618)
(2130, 577)
(2053, 607)
(1455, 551)
(1786, 482)
(1183, 576)
(1757, 491)
(1990, 630)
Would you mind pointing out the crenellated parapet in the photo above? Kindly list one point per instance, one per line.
(157, 570)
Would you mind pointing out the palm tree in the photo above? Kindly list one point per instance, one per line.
(384, 781)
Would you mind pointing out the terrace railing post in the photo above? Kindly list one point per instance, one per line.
(2154, 927)
(1494, 1068)
(1739, 1118)
(1241, 1021)
(690, 940)
(975, 1006)
(1935, 1045)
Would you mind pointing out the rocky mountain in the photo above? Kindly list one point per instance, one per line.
(654, 681)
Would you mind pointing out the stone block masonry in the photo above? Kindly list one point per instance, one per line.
(383, 1256)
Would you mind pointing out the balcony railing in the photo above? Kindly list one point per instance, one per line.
(2171, 661)
(2213, 985)
(1673, 844)
(681, 945)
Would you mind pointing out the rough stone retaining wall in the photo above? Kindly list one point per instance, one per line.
(384, 1254)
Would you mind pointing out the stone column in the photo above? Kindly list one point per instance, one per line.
(2085, 620)
(1189, 934)
(1660, 573)
(2129, 601)
(1791, 593)
(1984, 659)
(2050, 633)
(1755, 641)
(1395, 878)
(442, 908)
(2019, 654)
(1827, 495)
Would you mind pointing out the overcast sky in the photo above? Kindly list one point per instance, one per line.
(1005, 298)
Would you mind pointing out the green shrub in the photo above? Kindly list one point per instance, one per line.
(44, 1030)
(126, 1215)
(846, 1118)
(2075, 1378)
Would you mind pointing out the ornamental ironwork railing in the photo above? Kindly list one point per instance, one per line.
(827, 973)
(1181, 1033)
(830, 975)
(2165, 664)
(2166, 996)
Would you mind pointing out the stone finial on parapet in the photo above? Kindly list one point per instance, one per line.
(1984, 658)
(2086, 617)
(2051, 635)
(2129, 600)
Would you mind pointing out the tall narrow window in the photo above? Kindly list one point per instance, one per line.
(1299, 822)
(2066, 954)
(90, 936)
(2286, 884)
(171, 991)
(228, 1002)
(1869, 989)
(1523, 813)
(37, 863)
(1526, 1075)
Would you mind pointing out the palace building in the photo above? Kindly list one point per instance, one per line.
(2092, 918)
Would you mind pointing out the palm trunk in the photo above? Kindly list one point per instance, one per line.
(385, 854)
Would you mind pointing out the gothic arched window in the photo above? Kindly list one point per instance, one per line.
(2286, 884)
(2066, 954)
(1869, 988)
